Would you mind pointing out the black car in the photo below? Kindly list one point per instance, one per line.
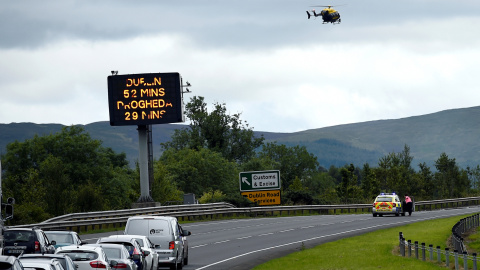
(26, 241)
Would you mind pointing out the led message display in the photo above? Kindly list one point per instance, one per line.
(145, 99)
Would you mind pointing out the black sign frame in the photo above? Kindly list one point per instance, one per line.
(145, 99)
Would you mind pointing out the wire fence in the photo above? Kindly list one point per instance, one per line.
(458, 257)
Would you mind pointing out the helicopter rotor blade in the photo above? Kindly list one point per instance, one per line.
(331, 5)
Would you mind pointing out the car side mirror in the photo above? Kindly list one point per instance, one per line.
(157, 246)
(83, 243)
(113, 263)
(186, 233)
(146, 253)
(136, 257)
(53, 243)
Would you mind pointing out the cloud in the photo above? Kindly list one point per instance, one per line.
(266, 60)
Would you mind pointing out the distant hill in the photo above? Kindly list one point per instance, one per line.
(454, 132)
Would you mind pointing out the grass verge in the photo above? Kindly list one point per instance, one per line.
(375, 250)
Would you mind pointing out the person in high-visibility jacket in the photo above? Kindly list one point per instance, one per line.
(409, 205)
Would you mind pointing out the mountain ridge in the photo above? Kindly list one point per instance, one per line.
(450, 131)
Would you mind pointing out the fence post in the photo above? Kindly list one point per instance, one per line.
(402, 244)
(409, 245)
(423, 252)
(439, 255)
(465, 260)
(416, 249)
(431, 252)
(474, 261)
(455, 252)
(447, 257)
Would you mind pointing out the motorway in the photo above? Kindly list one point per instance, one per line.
(245, 243)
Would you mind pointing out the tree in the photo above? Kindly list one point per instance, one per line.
(66, 163)
(449, 179)
(200, 171)
(217, 131)
(291, 161)
(423, 186)
(395, 173)
(346, 189)
(370, 185)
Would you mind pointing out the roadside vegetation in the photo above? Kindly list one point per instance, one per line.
(69, 172)
(375, 250)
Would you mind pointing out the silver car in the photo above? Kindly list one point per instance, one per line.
(86, 257)
(51, 264)
(148, 249)
(64, 238)
(118, 256)
(66, 262)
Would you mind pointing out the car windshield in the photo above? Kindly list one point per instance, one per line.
(384, 199)
(60, 238)
(18, 236)
(77, 255)
(112, 253)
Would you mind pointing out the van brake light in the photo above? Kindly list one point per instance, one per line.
(171, 245)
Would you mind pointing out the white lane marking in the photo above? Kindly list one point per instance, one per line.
(224, 241)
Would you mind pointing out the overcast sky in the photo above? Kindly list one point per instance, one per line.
(262, 58)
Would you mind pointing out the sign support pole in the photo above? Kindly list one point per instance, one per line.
(143, 164)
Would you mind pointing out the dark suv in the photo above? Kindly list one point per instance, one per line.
(26, 241)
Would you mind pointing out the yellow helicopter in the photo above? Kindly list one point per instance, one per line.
(329, 15)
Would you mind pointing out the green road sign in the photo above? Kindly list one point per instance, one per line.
(262, 180)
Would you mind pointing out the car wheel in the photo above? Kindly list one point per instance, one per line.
(173, 266)
(374, 215)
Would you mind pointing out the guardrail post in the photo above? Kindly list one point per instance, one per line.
(423, 252)
(474, 261)
(402, 244)
(431, 252)
(439, 255)
(465, 260)
(455, 253)
(447, 257)
(416, 249)
(409, 245)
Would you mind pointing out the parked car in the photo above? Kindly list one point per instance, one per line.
(148, 249)
(26, 241)
(40, 264)
(387, 204)
(64, 260)
(118, 253)
(86, 257)
(10, 263)
(166, 234)
(131, 244)
(64, 238)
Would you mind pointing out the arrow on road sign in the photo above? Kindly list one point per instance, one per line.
(244, 180)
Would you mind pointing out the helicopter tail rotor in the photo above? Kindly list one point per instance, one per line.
(308, 13)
